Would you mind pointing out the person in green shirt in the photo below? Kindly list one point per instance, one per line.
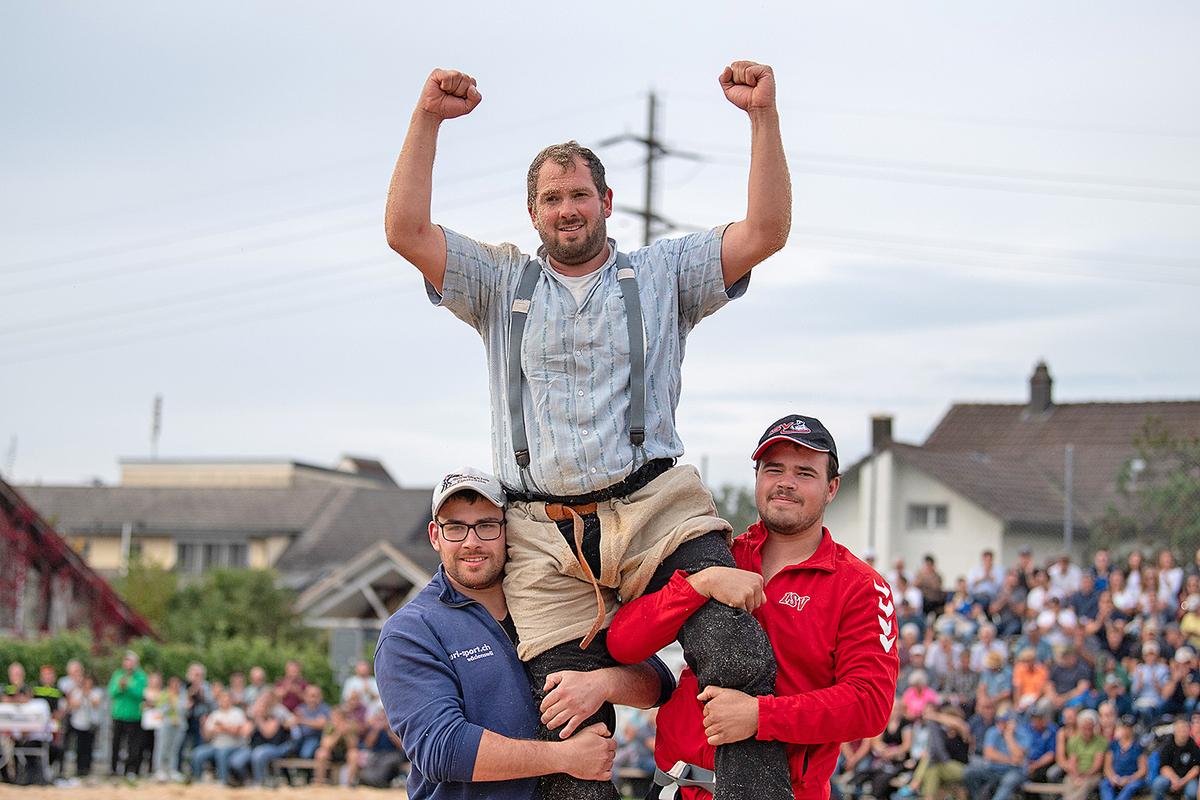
(126, 688)
(1084, 758)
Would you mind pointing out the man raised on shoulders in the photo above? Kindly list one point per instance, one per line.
(585, 345)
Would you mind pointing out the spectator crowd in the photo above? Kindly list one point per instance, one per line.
(188, 728)
(1035, 679)
(1040, 679)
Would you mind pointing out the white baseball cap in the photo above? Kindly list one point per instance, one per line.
(466, 478)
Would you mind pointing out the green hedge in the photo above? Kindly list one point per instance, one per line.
(225, 656)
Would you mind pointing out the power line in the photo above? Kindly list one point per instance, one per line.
(285, 280)
(959, 176)
(971, 119)
(847, 244)
(206, 326)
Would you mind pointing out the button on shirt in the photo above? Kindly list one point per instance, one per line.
(576, 357)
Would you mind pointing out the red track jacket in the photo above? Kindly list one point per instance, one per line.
(831, 621)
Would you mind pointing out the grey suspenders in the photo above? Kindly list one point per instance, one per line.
(627, 281)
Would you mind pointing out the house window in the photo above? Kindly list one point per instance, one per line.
(922, 516)
(194, 558)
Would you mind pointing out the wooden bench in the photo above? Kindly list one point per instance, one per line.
(281, 765)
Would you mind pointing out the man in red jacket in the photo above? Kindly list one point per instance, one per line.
(830, 618)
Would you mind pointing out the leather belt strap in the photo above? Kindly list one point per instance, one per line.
(560, 512)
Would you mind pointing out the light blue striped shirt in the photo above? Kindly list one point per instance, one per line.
(576, 359)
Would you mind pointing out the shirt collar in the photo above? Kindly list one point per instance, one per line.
(447, 594)
(822, 559)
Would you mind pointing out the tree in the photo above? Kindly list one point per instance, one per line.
(228, 603)
(736, 505)
(148, 588)
(1159, 489)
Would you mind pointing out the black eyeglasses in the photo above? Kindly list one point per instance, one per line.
(485, 531)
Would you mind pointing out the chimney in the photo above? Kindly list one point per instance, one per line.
(881, 431)
(1040, 383)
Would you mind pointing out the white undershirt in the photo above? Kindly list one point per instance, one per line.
(579, 285)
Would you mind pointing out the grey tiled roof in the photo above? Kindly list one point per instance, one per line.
(1011, 462)
(329, 524)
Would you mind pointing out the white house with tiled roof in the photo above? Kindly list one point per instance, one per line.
(993, 476)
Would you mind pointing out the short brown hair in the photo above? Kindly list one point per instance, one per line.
(564, 155)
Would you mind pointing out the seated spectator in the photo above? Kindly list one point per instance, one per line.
(929, 581)
(257, 685)
(1117, 642)
(1190, 623)
(311, 718)
(979, 723)
(225, 730)
(942, 656)
(1030, 680)
(1179, 760)
(1149, 681)
(984, 579)
(1071, 680)
(986, 644)
(1124, 594)
(960, 685)
(1180, 691)
(1008, 606)
(1068, 727)
(947, 753)
(918, 695)
(1170, 579)
(909, 614)
(1043, 739)
(1039, 592)
(995, 682)
(1086, 601)
(854, 769)
(339, 741)
(291, 686)
(1035, 637)
(237, 690)
(1116, 697)
(916, 661)
(1002, 770)
(1085, 755)
(270, 739)
(1124, 765)
(1101, 568)
(382, 758)
(889, 751)
(1172, 640)
(362, 684)
(1064, 577)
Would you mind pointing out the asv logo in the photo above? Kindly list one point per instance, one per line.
(794, 600)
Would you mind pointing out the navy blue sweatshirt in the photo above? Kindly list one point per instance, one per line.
(446, 671)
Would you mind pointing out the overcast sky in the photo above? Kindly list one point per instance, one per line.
(192, 196)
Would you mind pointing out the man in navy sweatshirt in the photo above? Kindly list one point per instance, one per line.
(452, 684)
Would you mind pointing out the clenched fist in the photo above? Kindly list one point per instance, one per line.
(448, 93)
(749, 86)
(588, 755)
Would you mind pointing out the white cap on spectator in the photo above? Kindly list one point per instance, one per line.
(1184, 654)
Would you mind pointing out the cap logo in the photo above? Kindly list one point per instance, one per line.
(453, 479)
(795, 426)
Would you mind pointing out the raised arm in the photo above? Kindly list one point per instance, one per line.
(764, 231)
(406, 221)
